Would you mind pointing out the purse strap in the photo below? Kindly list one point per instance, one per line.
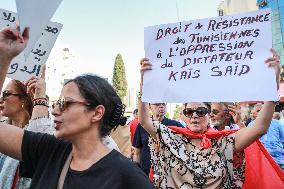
(64, 172)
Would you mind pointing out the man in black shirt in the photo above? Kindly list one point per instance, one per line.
(141, 137)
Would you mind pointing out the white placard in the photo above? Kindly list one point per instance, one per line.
(35, 14)
(19, 68)
(218, 59)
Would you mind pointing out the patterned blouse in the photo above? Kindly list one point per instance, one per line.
(179, 162)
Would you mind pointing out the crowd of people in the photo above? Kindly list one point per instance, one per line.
(76, 156)
(75, 149)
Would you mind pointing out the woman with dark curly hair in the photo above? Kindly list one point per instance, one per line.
(88, 109)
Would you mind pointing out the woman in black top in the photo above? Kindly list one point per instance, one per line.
(88, 109)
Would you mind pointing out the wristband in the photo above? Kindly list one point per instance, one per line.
(41, 102)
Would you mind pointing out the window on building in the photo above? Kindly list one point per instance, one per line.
(228, 2)
(281, 11)
(221, 12)
(262, 3)
(281, 3)
(282, 25)
(273, 4)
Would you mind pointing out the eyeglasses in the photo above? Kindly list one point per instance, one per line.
(200, 111)
(159, 104)
(64, 104)
(6, 94)
(215, 112)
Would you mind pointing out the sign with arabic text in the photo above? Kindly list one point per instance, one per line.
(217, 59)
(35, 14)
(21, 69)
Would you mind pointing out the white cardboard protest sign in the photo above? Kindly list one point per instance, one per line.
(21, 69)
(216, 59)
(35, 14)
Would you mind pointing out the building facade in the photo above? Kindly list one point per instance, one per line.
(228, 7)
(59, 68)
(277, 8)
(131, 100)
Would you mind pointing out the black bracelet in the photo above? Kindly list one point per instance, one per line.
(41, 102)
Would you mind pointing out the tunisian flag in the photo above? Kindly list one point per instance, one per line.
(261, 171)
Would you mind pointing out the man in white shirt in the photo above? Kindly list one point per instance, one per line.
(225, 116)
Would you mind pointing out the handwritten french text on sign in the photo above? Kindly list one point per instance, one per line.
(19, 68)
(216, 59)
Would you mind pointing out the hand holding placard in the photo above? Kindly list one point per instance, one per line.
(35, 14)
(205, 60)
(12, 42)
(20, 68)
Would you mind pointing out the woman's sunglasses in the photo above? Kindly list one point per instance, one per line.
(63, 104)
(6, 94)
(200, 111)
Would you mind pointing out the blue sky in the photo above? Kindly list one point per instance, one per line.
(98, 30)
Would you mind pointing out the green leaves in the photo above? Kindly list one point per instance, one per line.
(119, 77)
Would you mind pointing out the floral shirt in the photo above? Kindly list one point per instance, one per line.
(180, 162)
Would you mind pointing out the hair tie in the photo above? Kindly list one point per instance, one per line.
(116, 115)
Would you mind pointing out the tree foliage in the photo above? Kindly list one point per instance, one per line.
(176, 112)
(119, 77)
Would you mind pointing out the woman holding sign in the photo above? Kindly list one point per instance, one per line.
(88, 109)
(198, 156)
(25, 106)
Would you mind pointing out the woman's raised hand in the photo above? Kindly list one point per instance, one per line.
(145, 65)
(36, 85)
(12, 43)
(274, 62)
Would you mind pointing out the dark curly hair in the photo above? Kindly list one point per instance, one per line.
(97, 91)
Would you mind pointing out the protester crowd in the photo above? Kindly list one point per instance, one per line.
(86, 145)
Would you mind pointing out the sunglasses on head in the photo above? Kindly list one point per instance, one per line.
(63, 104)
(200, 111)
(6, 94)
